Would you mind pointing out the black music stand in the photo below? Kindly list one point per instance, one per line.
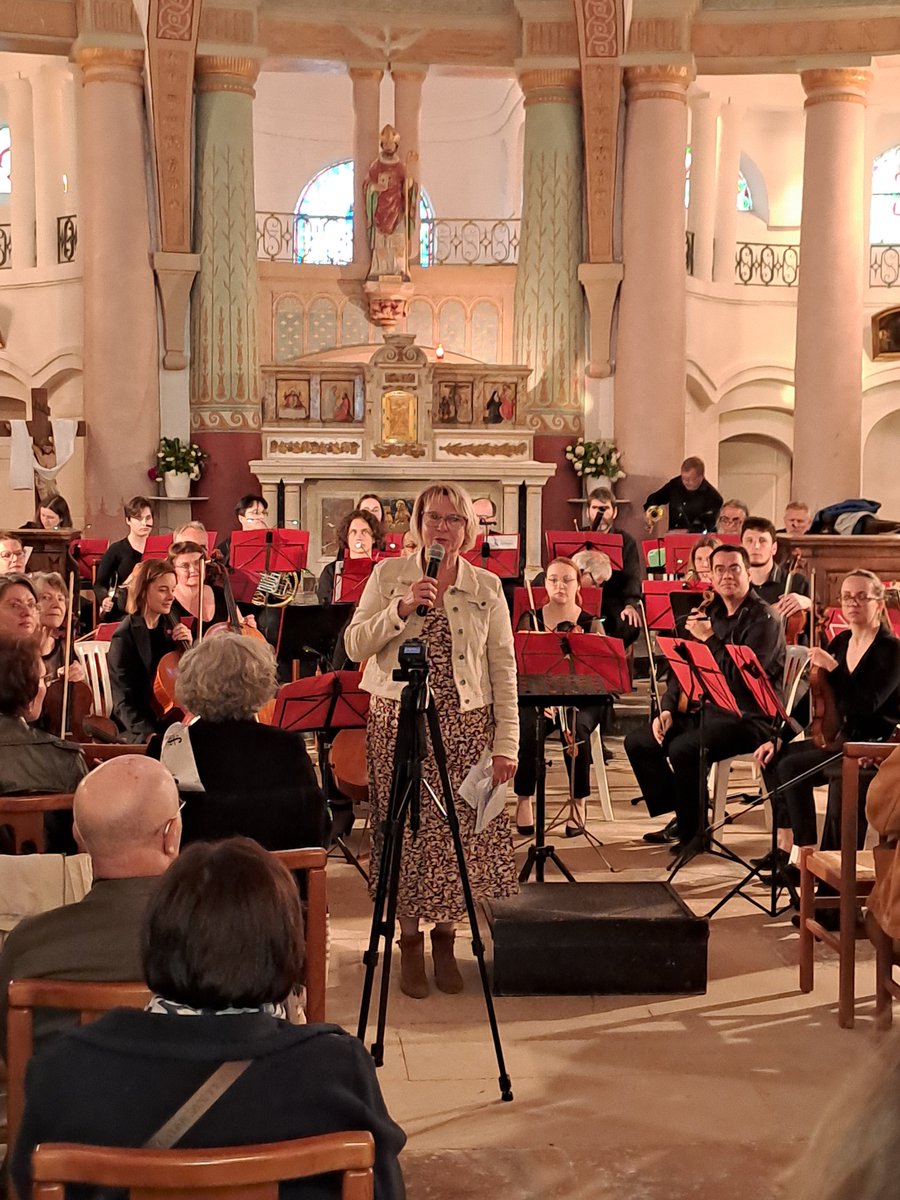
(311, 632)
(566, 543)
(323, 705)
(565, 669)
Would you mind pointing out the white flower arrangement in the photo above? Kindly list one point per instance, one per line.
(185, 458)
(595, 458)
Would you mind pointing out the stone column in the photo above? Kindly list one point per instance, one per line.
(548, 329)
(22, 196)
(225, 393)
(726, 192)
(828, 367)
(702, 210)
(651, 356)
(366, 121)
(121, 389)
(407, 121)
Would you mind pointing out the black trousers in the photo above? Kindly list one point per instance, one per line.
(579, 769)
(795, 808)
(669, 775)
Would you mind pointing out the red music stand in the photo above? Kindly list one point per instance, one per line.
(697, 659)
(392, 548)
(320, 703)
(591, 601)
(351, 578)
(657, 547)
(87, 552)
(561, 543)
(758, 683)
(259, 550)
(658, 600)
(585, 654)
(678, 547)
(499, 555)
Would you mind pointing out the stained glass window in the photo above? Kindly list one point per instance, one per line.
(884, 217)
(744, 198)
(323, 227)
(5, 156)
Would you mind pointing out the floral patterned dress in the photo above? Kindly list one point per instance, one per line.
(430, 886)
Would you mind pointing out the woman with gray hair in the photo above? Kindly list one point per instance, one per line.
(473, 682)
(236, 776)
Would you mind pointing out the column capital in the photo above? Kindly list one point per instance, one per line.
(409, 71)
(825, 84)
(365, 72)
(226, 73)
(110, 64)
(658, 81)
(550, 85)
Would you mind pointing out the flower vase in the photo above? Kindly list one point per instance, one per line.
(177, 484)
(595, 481)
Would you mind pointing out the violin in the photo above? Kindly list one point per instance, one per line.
(68, 702)
(825, 717)
(795, 624)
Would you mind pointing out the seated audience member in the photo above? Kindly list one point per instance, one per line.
(699, 568)
(120, 559)
(692, 500)
(12, 554)
(797, 519)
(622, 591)
(53, 604)
(562, 613)
(18, 606)
(732, 516)
(32, 760)
(222, 950)
(140, 642)
(54, 514)
(126, 818)
(358, 537)
(239, 777)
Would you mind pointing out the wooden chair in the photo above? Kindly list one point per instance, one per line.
(25, 817)
(92, 655)
(233, 1173)
(101, 752)
(89, 1000)
(313, 862)
(887, 988)
(851, 873)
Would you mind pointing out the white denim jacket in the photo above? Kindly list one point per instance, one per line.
(484, 663)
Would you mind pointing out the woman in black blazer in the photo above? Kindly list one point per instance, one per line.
(121, 558)
(141, 640)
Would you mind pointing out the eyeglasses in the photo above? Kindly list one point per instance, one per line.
(434, 520)
(567, 579)
(188, 568)
(730, 570)
(856, 598)
(171, 821)
(11, 555)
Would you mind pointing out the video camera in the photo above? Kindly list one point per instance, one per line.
(413, 660)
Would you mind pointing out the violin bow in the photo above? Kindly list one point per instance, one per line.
(70, 605)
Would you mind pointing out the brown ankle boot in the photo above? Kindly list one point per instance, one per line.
(446, 972)
(412, 966)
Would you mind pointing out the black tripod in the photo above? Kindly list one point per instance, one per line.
(416, 705)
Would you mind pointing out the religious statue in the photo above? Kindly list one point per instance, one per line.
(392, 195)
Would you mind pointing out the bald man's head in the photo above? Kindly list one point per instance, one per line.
(127, 817)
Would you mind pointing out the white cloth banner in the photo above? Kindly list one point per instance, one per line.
(23, 466)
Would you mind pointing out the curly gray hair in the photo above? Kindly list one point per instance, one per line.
(227, 677)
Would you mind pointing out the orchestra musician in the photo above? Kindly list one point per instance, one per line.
(622, 591)
(120, 559)
(143, 638)
(409, 546)
(18, 606)
(486, 513)
(787, 591)
(358, 537)
(797, 519)
(693, 501)
(252, 513)
(698, 562)
(186, 559)
(53, 608)
(666, 758)
(732, 516)
(12, 554)
(561, 614)
(862, 667)
(473, 683)
(373, 504)
(52, 514)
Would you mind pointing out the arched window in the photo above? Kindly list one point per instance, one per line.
(5, 156)
(323, 229)
(744, 198)
(884, 215)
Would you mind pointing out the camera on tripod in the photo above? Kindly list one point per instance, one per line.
(413, 660)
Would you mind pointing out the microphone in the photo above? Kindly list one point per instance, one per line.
(435, 558)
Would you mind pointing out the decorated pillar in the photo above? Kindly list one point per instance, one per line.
(828, 367)
(726, 192)
(20, 116)
(121, 389)
(548, 330)
(408, 119)
(225, 393)
(366, 113)
(651, 356)
(702, 207)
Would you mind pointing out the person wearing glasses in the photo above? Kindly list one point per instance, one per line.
(187, 606)
(358, 537)
(18, 606)
(472, 678)
(12, 554)
(666, 757)
(252, 513)
(862, 666)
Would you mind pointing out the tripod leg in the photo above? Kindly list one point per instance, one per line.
(477, 944)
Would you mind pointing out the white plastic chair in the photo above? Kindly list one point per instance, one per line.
(92, 655)
(600, 771)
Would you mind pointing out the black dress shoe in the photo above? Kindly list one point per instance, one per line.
(786, 874)
(662, 837)
(768, 862)
(525, 830)
(686, 850)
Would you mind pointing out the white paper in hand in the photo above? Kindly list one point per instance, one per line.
(478, 793)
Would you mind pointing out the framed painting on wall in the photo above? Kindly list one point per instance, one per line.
(292, 399)
(398, 417)
(454, 404)
(337, 400)
(334, 510)
(499, 402)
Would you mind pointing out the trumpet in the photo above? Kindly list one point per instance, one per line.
(653, 516)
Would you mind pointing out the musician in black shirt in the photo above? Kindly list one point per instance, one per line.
(693, 501)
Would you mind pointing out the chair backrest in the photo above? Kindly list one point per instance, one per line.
(233, 1173)
(854, 753)
(89, 1000)
(313, 862)
(24, 816)
(93, 655)
(795, 682)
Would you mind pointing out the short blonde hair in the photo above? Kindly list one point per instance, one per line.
(178, 535)
(461, 501)
(227, 677)
(49, 580)
(591, 562)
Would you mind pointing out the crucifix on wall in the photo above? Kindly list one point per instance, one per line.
(47, 458)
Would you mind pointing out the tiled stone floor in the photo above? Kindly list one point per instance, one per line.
(648, 1098)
